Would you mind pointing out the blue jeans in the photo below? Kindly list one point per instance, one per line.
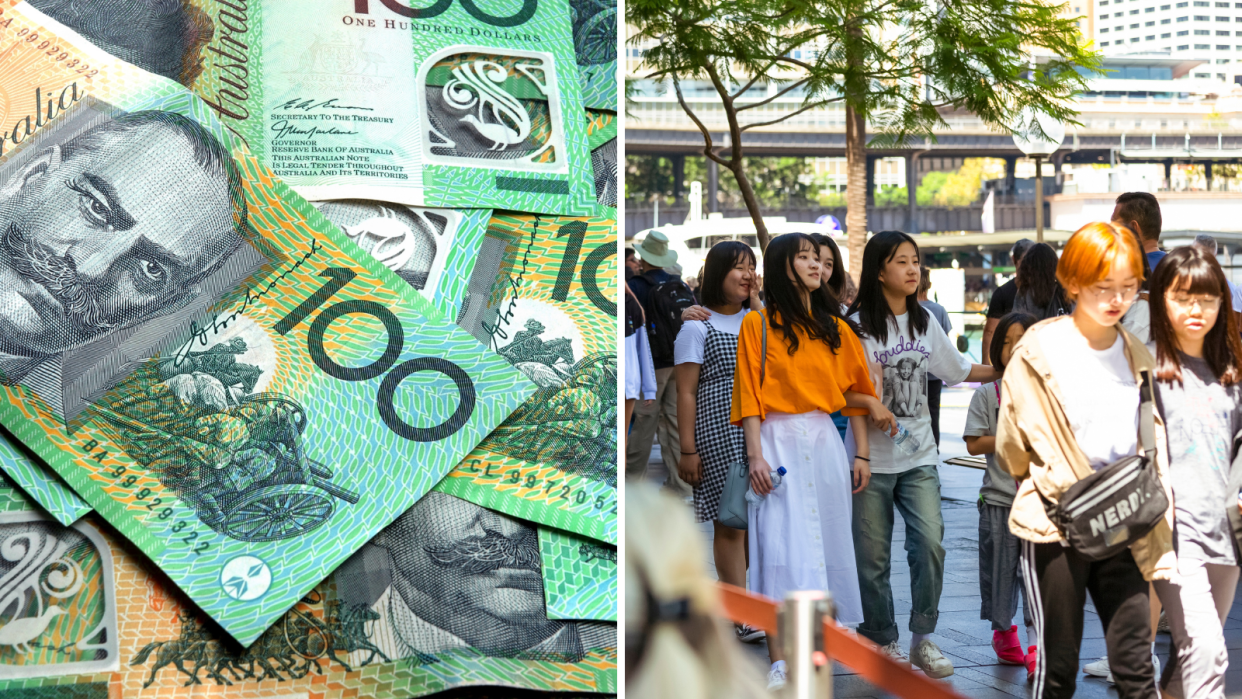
(916, 493)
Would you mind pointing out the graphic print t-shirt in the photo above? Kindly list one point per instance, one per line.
(904, 361)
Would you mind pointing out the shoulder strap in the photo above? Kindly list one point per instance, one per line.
(763, 358)
(1147, 419)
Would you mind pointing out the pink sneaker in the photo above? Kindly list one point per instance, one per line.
(1007, 646)
(1031, 657)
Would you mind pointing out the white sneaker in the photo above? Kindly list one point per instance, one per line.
(1155, 661)
(927, 657)
(1098, 668)
(894, 651)
(776, 679)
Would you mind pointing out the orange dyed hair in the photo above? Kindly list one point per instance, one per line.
(1092, 251)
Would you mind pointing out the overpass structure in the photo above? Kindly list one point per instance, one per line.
(1149, 109)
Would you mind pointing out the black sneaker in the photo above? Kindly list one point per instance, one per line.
(748, 634)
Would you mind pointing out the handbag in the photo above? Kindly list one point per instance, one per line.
(732, 512)
(1105, 512)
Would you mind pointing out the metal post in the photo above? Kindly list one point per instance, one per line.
(871, 179)
(679, 176)
(1207, 173)
(713, 185)
(1039, 200)
(912, 185)
(801, 626)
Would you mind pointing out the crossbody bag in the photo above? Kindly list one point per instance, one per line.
(732, 511)
(1105, 512)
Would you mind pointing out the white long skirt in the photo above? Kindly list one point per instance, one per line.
(800, 536)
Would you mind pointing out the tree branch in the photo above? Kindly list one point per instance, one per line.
(773, 97)
(707, 135)
(755, 79)
(791, 114)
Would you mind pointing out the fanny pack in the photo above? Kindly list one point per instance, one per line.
(1105, 512)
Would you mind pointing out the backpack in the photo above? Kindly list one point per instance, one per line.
(665, 302)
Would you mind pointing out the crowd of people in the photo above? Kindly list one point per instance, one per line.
(1108, 409)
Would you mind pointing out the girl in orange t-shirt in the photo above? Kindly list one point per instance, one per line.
(800, 533)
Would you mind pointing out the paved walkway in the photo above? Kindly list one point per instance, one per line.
(961, 635)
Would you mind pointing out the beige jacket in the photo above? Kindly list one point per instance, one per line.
(1035, 442)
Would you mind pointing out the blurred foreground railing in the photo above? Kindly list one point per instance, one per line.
(812, 638)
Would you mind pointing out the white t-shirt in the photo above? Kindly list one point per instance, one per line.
(906, 361)
(1100, 393)
(693, 334)
(1236, 292)
(1137, 320)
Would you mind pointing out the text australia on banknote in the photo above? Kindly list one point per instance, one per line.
(82, 614)
(198, 352)
(463, 103)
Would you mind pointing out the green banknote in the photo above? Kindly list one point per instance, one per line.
(44, 487)
(543, 295)
(602, 138)
(595, 45)
(221, 373)
(86, 616)
(462, 103)
(433, 250)
(579, 576)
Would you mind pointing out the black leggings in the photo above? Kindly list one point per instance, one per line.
(1058, 575)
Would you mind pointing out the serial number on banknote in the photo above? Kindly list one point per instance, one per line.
(553, 488)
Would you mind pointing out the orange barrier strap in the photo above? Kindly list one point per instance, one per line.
(745, 608)
(855, 652)
(862, 656)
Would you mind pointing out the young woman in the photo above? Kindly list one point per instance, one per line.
(640, 381)
(1039, 294)
(901, 338)
(1069, 406)
(834, 269)
(999, 579)
(1198, 393)
(705, 355)
(798, 538)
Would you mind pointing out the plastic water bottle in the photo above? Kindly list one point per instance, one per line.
(755, 498)
(905, 441)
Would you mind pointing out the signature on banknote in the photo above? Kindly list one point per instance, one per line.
(311, 104)
(283, 128)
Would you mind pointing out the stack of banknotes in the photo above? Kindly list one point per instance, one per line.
(308, 347)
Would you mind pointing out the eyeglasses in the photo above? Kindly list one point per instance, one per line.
(1107, 294)
(1206, 303)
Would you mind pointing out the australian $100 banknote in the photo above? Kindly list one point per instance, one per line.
(203, 357)
(84, 615)
(543, 295)
(579, 576)
(461, 103)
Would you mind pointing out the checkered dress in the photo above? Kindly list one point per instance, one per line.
(718, 442)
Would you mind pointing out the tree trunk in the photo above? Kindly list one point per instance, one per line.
(855, 188)
(752, 203)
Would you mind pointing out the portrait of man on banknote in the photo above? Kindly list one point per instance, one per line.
(105, 226)
(450, 575)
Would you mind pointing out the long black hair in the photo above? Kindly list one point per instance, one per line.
(720, 261)
(1201, 273)
(997, 347)
(784, 296)
(1037, 276)
(874, 315)
(836, 281)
